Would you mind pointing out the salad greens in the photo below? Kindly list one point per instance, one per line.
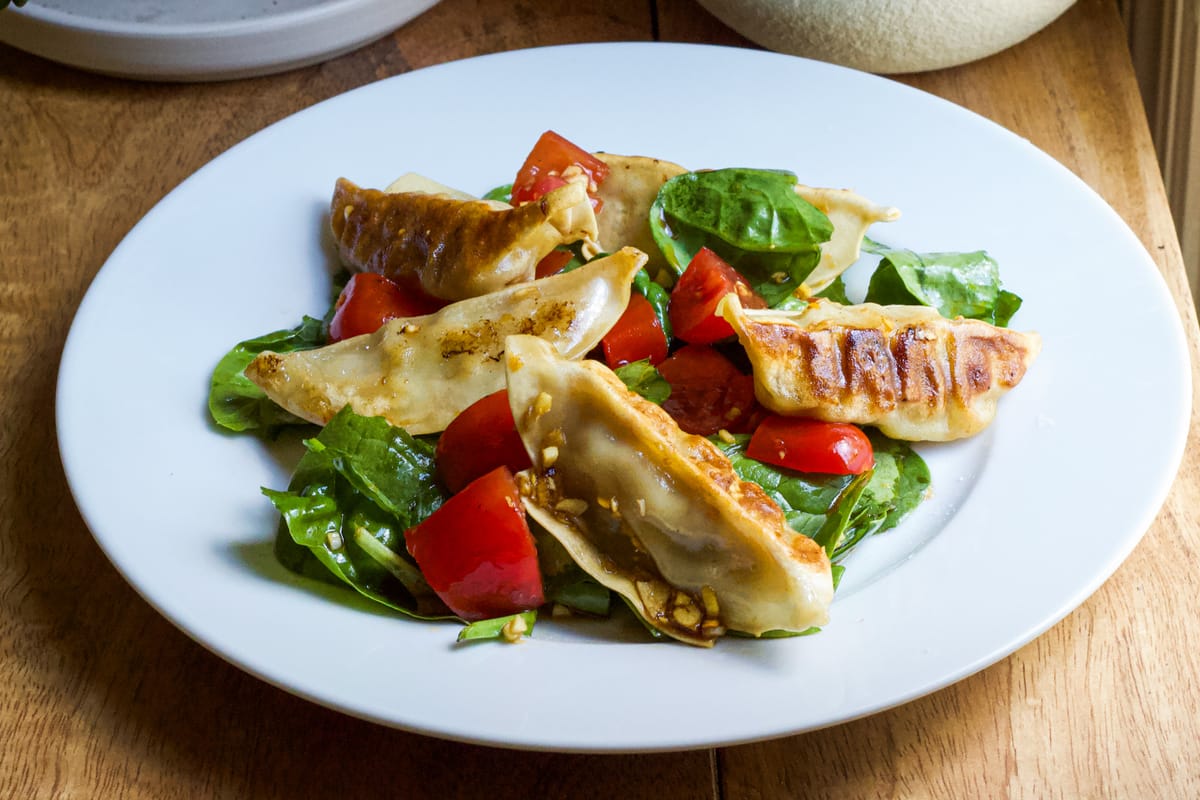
(645, 380)
(359, 486)
(839, 511)
(956, 284)
(752, 218)
(237, 404)
(362, 482)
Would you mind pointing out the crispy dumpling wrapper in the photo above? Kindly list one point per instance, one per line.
(421, 372)
(454, 248)
(851, 215)
(653, 513)
(905, 369)
(627, 194)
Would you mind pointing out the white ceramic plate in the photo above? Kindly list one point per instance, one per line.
(1027, 519)
(192, 41)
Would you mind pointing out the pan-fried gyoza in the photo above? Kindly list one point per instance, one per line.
(420, 372)
(455, 248)
(907, 370)
(653, 513)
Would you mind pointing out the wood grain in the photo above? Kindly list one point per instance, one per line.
(102, 697)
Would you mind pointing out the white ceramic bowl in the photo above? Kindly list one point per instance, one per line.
(185, 40)
(889, 36)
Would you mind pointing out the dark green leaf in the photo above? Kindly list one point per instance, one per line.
(236, 403)
(389, 466)
(752, 218)
(956, 284)
(660, 299)
(839, 511)
(344, 530)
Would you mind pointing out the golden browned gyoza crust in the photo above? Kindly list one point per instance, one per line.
(653, 513)
(455, 248)
(904, 369)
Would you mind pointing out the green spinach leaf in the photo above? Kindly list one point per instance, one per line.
(331, 520)
(660, 299)
(839, 511)
(392, 468)
(645, 380)
(956, 284)
(235, 402)
(752, 218)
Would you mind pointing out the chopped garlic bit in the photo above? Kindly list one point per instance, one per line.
(549, 456)
(514, 629)
(542, 403)
(572, 506)
(725, 436)
(411, 328)
(685, 612)
(641, 505)
(333, 540)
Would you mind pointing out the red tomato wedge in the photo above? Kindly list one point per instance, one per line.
(637, 334)
(552, 263)
(369, 300)
(810, 445)
(551, 156)
(478, 440)
(708, 392)
(477, 553)
(694, 299)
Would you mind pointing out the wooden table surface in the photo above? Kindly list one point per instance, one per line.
(101, 697)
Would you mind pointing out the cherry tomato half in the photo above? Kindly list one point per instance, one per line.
(551, 156)
(476, 550)
(552, 263)
(478, 440)
(708, 392)
(637, 334)
(369, 300)
(810, 445)
(693, 309)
